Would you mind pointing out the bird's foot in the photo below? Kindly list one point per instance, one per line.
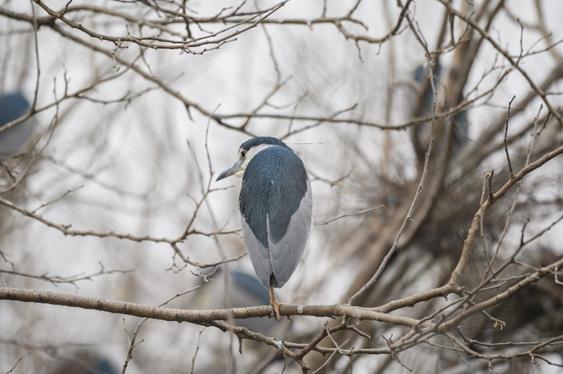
(274, 304)
(276, 307)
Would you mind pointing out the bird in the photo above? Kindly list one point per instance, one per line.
(85, 362)
(244, 290)
(460, 119)
(13, 139)
(275, 205)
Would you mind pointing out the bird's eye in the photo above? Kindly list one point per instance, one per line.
(243, 152)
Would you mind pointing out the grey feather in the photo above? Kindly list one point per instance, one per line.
(13, 139)
(460, 120)
(258, 253)
(286, 253)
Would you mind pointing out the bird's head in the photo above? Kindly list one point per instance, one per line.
(247, 150)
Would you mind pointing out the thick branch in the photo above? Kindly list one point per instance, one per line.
(196, 316)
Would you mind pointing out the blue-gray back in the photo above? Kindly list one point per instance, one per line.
(14, 139)
(273, 185)
(12, 106)
(250, 285)
(460, 120)
(420, 76)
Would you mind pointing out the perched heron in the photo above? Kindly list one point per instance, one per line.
(85, 362)
(13, 139)
(244, 290)
(276, 206)
(460, 121)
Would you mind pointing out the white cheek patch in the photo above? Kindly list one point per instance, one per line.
(249, 155)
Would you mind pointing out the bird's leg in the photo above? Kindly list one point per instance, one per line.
(274, 303)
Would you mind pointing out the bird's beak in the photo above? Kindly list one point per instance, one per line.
(232, 170)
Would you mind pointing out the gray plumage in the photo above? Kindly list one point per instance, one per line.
(86, 361)
(14, 138)
(460, 119)
(275, 205)
(243, 290)
(248, 285)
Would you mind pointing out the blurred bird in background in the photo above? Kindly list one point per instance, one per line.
(238, 289)
(276, 208)
(421, 133)
(13, 139)
(242, 290)
(85, 362)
